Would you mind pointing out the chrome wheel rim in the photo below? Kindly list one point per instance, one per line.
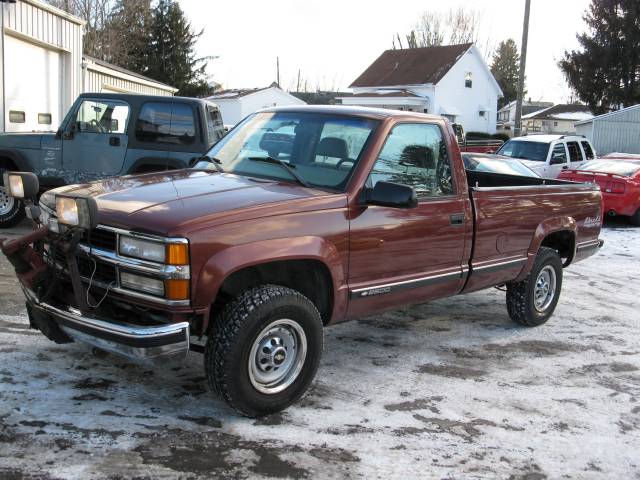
(277, 356)
(545, 288)
(6, 202)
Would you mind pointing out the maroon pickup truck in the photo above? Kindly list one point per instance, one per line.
(298, 219)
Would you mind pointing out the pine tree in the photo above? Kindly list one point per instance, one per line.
(605, 72)
(171, 55)
(505, 69)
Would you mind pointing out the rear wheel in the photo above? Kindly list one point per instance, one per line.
(635, 218)
(11, 209)
(265, 350)
(532, 301)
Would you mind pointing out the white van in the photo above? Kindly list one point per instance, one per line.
(548, 155)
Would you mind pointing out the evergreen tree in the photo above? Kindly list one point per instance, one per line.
(171, 55)
(605, 72)
(505, 69)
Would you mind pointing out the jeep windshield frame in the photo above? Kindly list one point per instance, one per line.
(323, 148)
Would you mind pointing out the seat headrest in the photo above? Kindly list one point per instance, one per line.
(333, 147)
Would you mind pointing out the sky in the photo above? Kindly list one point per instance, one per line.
(332, 41)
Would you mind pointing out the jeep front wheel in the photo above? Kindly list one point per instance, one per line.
(265, 350)
(11, 209)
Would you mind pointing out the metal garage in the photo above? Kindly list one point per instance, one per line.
(42, 69)
(617, 131)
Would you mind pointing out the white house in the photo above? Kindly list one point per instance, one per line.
(617, 131)
(507, 114)
(558, 119)
(451, 80)
(42, 69)
(238, 103)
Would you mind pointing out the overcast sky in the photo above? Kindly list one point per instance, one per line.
(333, 41)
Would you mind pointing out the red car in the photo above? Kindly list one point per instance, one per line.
(619, 181)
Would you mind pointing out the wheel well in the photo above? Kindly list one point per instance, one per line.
(309, 277)
(7, 164)
(563, 242)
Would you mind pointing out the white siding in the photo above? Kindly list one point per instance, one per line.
(103, 82)
(233, 110)
(615, 132)
(35, 22)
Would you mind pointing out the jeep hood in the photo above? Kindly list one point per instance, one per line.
(178, 201)
(23, 140)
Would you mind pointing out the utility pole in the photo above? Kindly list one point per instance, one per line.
(278, 70)
(523, 63)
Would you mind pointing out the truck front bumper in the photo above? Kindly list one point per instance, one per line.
(129, 340)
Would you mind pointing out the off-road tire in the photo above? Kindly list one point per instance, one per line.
(520, 295)
(15, 215)
(237, 327)
(635, 218)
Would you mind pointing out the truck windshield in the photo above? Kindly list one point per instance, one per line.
(322, 149)
(536, 151)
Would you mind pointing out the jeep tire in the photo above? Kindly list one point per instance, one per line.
(11, 209)
(264, 350)
(532, 301)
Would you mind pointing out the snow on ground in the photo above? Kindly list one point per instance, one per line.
(451, 389)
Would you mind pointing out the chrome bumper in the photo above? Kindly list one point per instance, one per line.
(132, 341)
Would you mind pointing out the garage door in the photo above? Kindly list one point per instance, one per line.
(33, 87)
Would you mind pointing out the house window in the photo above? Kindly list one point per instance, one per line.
(16, 117)
(468, 80)
(44, 118)
(555, 124)
(544, 123)
(426, 110)
(481, 113)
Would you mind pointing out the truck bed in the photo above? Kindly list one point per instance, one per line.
(512, 213)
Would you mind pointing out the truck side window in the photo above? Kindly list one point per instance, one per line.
(575, 155)
(588, 151)
(415, 155)
(104, 116)
(558, 155)
(215, 128)
(162, 122)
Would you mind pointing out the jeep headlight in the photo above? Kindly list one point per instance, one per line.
(21, 184)
(77, 211)
(166, 253)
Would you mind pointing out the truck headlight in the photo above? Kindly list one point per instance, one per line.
(21, 184)
(77, 211)
(166, 253)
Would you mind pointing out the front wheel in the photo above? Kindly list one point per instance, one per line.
(532, 301)
(11, 209)
(265, 350)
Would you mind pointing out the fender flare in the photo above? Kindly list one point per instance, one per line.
(17, 158)
(238, 257)
(544, 229)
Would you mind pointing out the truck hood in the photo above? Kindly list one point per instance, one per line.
(23, 140)
(177, 201)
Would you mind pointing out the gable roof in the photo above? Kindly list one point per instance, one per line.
(562, 111)
(411, 66)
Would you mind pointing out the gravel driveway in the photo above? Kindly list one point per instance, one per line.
(451, 389)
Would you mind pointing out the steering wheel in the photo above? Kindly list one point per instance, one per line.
(344, 160)
(95, 124)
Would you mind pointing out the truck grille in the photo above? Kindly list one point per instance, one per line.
(105, 239)
(105, 272)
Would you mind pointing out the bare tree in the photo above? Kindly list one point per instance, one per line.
(95, 13)
(450, 28)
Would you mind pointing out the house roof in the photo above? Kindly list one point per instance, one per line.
(609, 114)
(411, 66)
(561, 112)
(531, 106)
(239, 92)
(396, 93)
(111, 66)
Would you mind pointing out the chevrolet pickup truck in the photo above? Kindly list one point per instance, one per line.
(301, 217)
(109, 134)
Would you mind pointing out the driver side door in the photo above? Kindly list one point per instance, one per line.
(95, 141)
(558, 161)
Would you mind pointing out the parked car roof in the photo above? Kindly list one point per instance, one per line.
(486, 162)
(547, 138)
(350, 110)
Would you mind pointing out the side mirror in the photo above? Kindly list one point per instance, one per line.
(389, 194)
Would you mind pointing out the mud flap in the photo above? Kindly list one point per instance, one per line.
(43, 322)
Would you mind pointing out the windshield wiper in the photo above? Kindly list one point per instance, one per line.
(284, 165)
(206, 158)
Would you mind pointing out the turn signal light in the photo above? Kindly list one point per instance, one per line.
(176, 289)
(177, 254)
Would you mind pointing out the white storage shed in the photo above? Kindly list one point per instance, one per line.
(617, 131)
(42, 69)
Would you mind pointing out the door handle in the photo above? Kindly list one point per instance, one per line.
(114, 141)
(456, 219)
